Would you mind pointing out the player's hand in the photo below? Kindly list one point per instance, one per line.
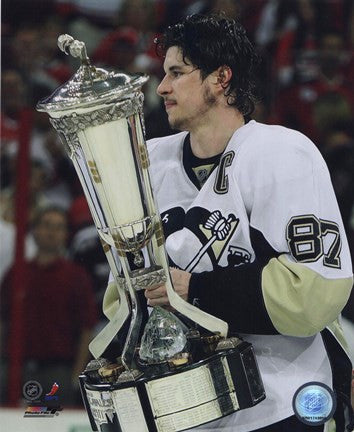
(157, 294)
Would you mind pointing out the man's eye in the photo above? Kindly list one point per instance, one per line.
(176, 74)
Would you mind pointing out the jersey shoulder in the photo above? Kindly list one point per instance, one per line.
(165, 155)
(164, 148)
(264, 138)
(275, 150)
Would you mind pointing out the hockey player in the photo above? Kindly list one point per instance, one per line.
(251, 221)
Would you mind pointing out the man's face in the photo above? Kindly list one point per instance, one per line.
(188, 99)
(51, 232)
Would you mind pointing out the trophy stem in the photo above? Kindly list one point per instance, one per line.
(128, 354)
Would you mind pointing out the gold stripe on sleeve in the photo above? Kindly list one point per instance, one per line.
(299, 301)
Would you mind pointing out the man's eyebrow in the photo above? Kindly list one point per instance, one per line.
(179, 67)
(175, 68)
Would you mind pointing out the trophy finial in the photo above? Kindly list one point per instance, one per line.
(69, 45)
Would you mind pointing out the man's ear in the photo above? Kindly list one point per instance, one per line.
(224, 75)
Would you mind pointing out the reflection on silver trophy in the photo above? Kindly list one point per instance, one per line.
(185, 370)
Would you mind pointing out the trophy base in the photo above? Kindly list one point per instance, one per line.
(194, 394)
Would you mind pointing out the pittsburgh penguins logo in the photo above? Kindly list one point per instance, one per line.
(214, 230)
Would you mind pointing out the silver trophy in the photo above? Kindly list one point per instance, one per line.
(185, 370)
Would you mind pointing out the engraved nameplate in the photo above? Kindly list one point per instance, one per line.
(181, 391)
(194, 416)
(129, 411)
(101, 406)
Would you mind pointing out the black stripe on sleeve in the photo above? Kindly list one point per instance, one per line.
(234, 295)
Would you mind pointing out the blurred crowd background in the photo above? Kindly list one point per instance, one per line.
(305, 81)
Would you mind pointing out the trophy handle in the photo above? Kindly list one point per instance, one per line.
(98, 345)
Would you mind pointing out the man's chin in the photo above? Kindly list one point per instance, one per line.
(176, 124)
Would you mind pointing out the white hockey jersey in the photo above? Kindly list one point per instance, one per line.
(264, 241)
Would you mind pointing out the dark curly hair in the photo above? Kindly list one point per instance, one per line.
(209, 42)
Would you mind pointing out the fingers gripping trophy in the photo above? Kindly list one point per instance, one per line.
(185, 370)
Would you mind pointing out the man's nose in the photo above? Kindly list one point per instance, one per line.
(164, 87)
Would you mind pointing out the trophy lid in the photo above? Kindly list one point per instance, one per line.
(89, 86)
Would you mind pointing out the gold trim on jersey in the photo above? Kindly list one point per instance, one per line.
(202, 172)
(299, 301)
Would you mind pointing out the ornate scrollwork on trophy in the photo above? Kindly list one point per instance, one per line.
(72, 124)
(69, 126)
(141, 281)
